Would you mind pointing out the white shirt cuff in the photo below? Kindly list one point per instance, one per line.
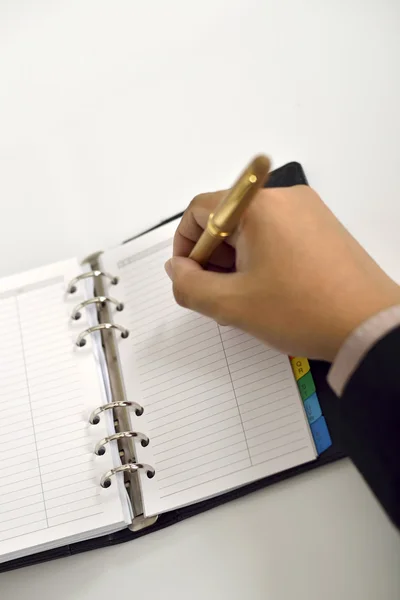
(358, 344)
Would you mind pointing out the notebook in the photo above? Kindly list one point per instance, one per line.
(122, 412)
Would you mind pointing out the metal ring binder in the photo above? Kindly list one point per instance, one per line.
(105, 481)
(94, 418)
(118, 405)
(80, 340)
(76, 313)
(100, 447)
(71, 288)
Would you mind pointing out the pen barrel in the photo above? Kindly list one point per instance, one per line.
(226, 217)
(228, 213)
(205, 246)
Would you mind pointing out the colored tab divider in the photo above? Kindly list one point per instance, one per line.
(306, 386)
(312, 407)
(320, 432)
(300, 366)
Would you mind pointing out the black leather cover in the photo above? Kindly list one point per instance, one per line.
(288, 175)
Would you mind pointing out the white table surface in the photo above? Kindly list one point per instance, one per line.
(112, 116)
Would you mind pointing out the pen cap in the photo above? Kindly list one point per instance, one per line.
(229, 212)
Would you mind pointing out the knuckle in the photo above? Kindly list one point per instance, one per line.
(198, 199)
(199, 202)
(207, 200)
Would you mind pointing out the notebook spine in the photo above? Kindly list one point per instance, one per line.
(124, 435)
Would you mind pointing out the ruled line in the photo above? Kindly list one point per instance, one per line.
(166, 338)
(177, 437)
(259, 362)
(56, 525)
(215, 335)
(192, 415)
(239, 360)
(236, 471)
(212, 466)
(206, 444)
(264, 412)
(183, 462)
(278, 437)
(261, 395)
(270, 421)
(187, 372)
(188, 406)
(199, 431)
(264, 378)
(177, 385)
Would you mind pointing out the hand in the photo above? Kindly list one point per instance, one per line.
(292, 275)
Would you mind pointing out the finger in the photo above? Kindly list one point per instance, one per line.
(196, 215)
(195, 219)
(209, 293)
(223, 256)
(192, 225)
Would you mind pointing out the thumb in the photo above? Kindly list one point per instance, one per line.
(211, 294)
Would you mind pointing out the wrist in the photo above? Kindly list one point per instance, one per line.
(359, 343)
(355, 314)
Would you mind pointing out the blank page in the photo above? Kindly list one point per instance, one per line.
(221, 408)
(49, 490)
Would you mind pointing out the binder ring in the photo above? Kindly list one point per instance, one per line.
(80, 340)
(94, 418)
(71, 289)
(105, 481)
(76, 313)
(100, 447)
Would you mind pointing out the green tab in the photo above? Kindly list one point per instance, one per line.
(306, 386)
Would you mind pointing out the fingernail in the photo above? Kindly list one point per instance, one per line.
(168, 269)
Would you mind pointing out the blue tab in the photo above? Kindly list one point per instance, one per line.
(312, 408)
(322, 439)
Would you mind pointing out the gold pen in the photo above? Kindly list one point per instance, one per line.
(226, 217)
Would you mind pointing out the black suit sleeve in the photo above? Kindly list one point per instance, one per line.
(370, 417)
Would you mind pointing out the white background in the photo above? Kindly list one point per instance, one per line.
(112, 116)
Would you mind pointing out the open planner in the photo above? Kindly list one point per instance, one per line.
(121, 412)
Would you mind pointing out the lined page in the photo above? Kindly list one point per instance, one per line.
(221, 408)
(49, 475)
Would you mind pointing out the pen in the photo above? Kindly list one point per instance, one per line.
(226, 217)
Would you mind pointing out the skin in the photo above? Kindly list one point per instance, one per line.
(291, 275)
